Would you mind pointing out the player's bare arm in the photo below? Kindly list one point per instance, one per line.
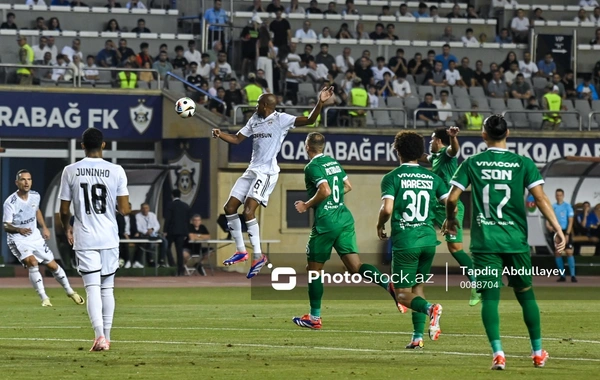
(454, 147)
(123, 204)
(451, 225)
(42, 223)
(65, 217)
(323, 192)
(545, 207)
(385, 212)
(228, 137)
(347, 186)
(16, 230)
(324, 96)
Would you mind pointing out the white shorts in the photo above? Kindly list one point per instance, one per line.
(105, 261)
(254, 185)
(36, 248)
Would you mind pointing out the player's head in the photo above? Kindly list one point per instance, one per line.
(495, 129)
(439, 139)
(409, 146)
(266, 105)
(145, 209)
(92, 141)
(196, 220)
(560, 195)
(23, 180)
(176, 193)
(315, 143)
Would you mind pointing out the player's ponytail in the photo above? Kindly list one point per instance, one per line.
(496, 127)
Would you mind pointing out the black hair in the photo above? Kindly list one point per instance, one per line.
(380, 59)
(92, 139)
(176, 193)
(143, 45)
(326, 45)
(409, 145)
(444, 92)
(442, 134)
(560, 191)
(378, 25)
(386, 7)
(469, 30)
(10, 14)
(22, 171)
(495, 126)
(429, 94)
(141, 20)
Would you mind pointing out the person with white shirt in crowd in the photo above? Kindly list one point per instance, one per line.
(69, 51)
(468, 38)
(527, 67)
(204, 67)
(90, 71)
(380, 69)
(344, 61)
(595, 17)
(36, 2)
(581, 16)
(52, 47)
(401, 86)
(373, 98)
(346, 83)
(306, 31)
(292, 56)
(511, 75)
(453, 77)
(318, 72)
(588, 3)
(296, 73)
(41, 49)
(135, 4)
(147, 226)
(193, 55)
(58, 72)
(520, 27)
(76, 67)
(443, 104)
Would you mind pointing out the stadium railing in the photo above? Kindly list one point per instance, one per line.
(452, 121)
(590, 118)
(361, 4)
(4, 66)
(579, 116)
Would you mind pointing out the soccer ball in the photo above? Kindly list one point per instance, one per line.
(185, 107)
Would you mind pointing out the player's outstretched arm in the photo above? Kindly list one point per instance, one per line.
(228, 137)
(454, 145)
(451, 225)
(323, 192)
(545, 207)
(324, 96)
(387, 206)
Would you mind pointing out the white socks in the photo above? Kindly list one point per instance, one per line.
(235, 227)
(94, 301)
(501, 353)
(108, 303)
(62, 279)
(254, 235)
(36, 280)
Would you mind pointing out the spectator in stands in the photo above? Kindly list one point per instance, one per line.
(306, 31)
(437, 76)
(380, 69)
(146, 76)
(216, 17)
(595, 17)
(135, 4)
(504, 37)
(143, 56)
(202, 97)
(107, 57)
(281, 29)
(472, 120)
(216, 84)
(308, 48)
(346, 84)
(54, 24)
(318, 73)
(446, 57)
(363, 71)
(193, 55)
(588, 219)
(112, 4)
(47, 61)
(546, 66)
(496, 87)
(453, 77)
(40, 24)
(511, 75)
(552, 102)
(416, 65)
(373, 98)
(401, 87)
(325, 33)
(296, 72)
(586, 90)
(70, 51)
(343, 33)
(537, 16)
(385, 11)
(215, 106)
(468, 38)
(162, 65)
(331, 8)
(233, 96)
(26, 57)
(391, 29)
(482, 38)
(527, 66)
(127, 79)
(64, 3)
(59, 70)
(202, 68)
(265, 54)
(588, 3)
(313, 8)
(78, 3)
(511, 58)
(295, 8)
(466, 73)
(124, 52)
(275, 6)
(249, 36)
(569, 84)
(326, 59)
(194, 78)
(433, 11)
(256, 7)
(520, 27)
(497, 7)
(180, 62)
(141, 27)
(197, 232)
(112, 26)
(479, 76)
(520, 89)
(344, 61)
(76, 69)
(490, 76)
(557, 81)
(358, 98)
(581, 16)
(52, 47)
(397, 63)
(455, 12)
(10, 22)
(221, 68)
(40, 50)
(448, 36)
(428, 116)
(471, 13)
(403, 11)
(422, 12)
(350, 8)
(90, 70)
(360, 33)
(443, 104)
(379, 33)
(532, 104)
(311, 105)
(35, 2)
(596, 39)
(148, 227)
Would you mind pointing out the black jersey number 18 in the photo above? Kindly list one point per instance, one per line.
(98, 196)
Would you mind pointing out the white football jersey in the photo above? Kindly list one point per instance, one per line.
(93, 185)
(22, 214)
(268, 135)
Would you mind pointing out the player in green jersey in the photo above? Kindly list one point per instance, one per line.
(326, 184)
(408, 193)
(444, 147)
(498, 179)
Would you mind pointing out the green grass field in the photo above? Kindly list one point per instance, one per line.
(219, 333)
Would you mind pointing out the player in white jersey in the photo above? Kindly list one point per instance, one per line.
(95, 187)
(268, 129)
(21, 215)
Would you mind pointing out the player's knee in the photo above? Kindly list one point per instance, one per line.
(52, 265)
(248, 213)
(229, 209)
(30, 262)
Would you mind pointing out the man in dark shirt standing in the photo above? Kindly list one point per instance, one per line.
(281, 29)
(233, 96)
(179, 62)
(215, 106)
(176, 228)
(197, 232)
(325, 58)
(364, 72)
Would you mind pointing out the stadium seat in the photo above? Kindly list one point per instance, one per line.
(459, 92)
(370, 119)
(305, 91)
(583, 106)
(396, 116)
(539, 83)
(382, 118)
(154, 85)
(569, 120)
(463, 103)
(176, 87)
(596, 107)
(519, 120)
(422, 90)
(535, 120)
(477, 93)
(410, 105)
(497, 105)
(411, 80)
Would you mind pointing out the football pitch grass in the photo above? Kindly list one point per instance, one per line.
(220, 333)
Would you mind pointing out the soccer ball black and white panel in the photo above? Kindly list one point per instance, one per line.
(185, 107)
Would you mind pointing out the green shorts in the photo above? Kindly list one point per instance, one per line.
(318, 248)
(493, 265)
(411, 266)
(440, 217)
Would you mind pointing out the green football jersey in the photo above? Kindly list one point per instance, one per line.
(332, 213)
(443, 165)
(414, 189)
(498, 180)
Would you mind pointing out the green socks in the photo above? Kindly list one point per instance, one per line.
(418, 320)
(531, 316)
(464, 260)
(369, 271)
(315, 293)
(490, 299)
(420, 305)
